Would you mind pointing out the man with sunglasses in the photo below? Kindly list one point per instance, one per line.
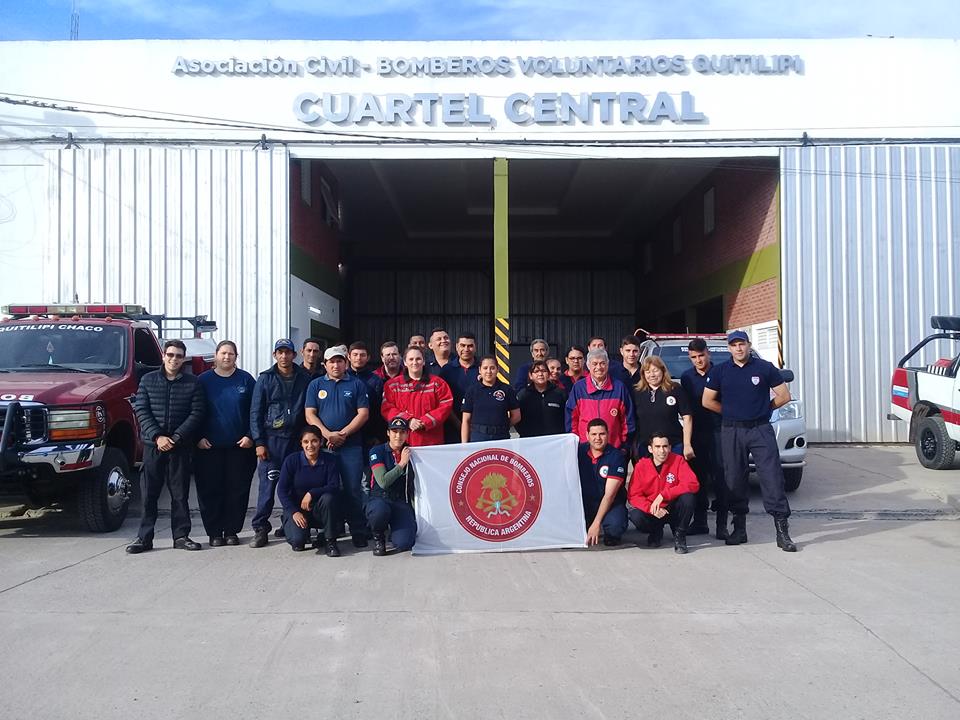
(170, 406)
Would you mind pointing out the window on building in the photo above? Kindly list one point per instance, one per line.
(709, 212)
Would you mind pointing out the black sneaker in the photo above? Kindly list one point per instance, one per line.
(655, 539)
(185, 543)
(379, 545)
(138, 546)
(217, 542)
(279, 533)
(231, 540)
(610, 541)
(259, 539)
(297, 547)
(332, 550)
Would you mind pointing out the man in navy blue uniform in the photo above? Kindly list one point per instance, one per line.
(391, 491)
(339, 406)
(490, 407)
(276, 419)
(707, 462)
(739, 390)
(603, 469)
(460, 374)
(375, 429)
(627, 370)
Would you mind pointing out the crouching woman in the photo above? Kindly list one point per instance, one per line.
(308, 489)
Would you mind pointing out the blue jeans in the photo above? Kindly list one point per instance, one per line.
(350, 464)
(268, 473)
(399, 516)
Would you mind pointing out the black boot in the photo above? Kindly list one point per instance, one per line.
(680, 542)
(655, 538)
(739, 534)
(722, 530)
(784, 542)
(379, 544)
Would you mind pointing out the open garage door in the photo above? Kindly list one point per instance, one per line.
(596, 247)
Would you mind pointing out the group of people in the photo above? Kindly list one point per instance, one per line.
(330, 437)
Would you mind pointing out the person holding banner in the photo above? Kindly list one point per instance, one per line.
(490, 407)
(603, 469)
(420, 398)
(391, 491)
(663, 491)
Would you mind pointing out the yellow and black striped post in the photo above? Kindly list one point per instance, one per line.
(501, 270)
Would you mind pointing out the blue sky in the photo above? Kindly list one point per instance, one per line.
(480, 19)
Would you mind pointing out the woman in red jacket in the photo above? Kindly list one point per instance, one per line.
(423, 400)
(662, 491)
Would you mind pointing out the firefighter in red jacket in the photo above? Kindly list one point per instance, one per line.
(422, 399)
(662, 491)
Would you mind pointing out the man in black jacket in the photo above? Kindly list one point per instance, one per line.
(170, 406)
(276, 419)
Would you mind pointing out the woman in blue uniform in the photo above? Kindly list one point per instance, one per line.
(490, 407)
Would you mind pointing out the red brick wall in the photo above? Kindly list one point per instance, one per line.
(751, 305)
(745, 212)
(308, 228)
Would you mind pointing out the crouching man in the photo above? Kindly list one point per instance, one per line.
(663, 490)
(308, 489)
(391, 491)
(602, 471)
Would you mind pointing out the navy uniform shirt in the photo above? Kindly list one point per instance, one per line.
(298, 477)
(459, 378)
(745, 391)
(704, 421)
(594, 472)
(490, 405)
(337, 402)
(620, 372)
(228, 407)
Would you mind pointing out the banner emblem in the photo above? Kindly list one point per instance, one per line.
(495, 495)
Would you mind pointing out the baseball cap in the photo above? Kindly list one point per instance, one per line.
(737, 335)
(398, 423)
(335, 351)
(284, 344)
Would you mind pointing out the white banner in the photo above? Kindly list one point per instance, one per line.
(521, 494)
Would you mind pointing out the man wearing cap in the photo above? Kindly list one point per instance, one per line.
(338, 404)
(739, 390)
(276, 419)
(391, 491)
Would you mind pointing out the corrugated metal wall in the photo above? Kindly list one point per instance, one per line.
(182, 231)
(871, 249)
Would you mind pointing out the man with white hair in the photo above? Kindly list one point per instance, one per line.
(598, 395)
(539, 350)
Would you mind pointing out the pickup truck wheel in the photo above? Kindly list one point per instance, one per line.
(935, 448)
(792, 478)
(104, 494)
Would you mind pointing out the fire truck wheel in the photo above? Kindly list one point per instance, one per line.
(935, 448)
(104, 494)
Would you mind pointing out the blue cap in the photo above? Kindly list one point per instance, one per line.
(737, 335)
(284, 344)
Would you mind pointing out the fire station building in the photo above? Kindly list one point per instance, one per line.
(805, 190)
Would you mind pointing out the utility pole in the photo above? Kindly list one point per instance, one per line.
(75, 20)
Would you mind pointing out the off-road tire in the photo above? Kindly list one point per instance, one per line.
(935, 448)
(99, 508)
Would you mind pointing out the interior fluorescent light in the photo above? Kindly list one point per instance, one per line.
(314, 310)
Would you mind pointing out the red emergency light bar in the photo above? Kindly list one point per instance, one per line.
(73, 310)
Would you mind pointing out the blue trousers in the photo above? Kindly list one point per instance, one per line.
(708, 465)
(350, 464)
(268, 474)
(761, 442)
(321, 516)
(614, 523)
(400, 518)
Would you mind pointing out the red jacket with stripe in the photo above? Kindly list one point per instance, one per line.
(611, 402)
(675, 478)
(429, 401)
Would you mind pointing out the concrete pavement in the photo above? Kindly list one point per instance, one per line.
(862, 622)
